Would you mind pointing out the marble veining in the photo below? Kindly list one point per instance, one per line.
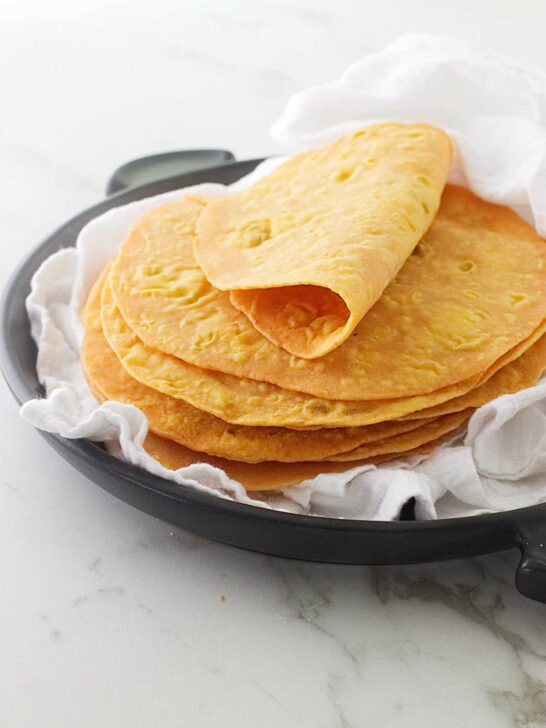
(112, 618)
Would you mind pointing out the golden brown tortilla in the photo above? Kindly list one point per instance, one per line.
(307, 250)
(430, 432)
(247, 402)
(259, 476)
(179, 421)
(523, 372)
(474, 289)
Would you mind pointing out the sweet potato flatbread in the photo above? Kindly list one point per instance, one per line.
(473, 290)
(179, 421)
(308, 249)
(429, 432)
(523, 372)
(247, 402)
(260, 476)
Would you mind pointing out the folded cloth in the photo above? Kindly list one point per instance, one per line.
(495, 113)
(493, 108)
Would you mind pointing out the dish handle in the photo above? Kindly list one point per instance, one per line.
(531, 571)
(161, 166)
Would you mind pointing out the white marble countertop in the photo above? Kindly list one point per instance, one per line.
(109, 617)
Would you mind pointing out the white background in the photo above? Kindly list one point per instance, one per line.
(108, 617)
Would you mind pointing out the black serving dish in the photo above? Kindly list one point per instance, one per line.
(157, 167)
(271, 532)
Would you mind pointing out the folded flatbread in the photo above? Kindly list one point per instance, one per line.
(306, 251)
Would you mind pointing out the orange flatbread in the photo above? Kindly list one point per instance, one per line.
(179, 421)
(523, 372)
(247, 402)
(307, 250)
(259, 476)
(430, 432)
(473, 289)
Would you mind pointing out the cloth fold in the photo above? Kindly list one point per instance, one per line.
(495, 114)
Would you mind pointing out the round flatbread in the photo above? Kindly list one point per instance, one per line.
(429, 432)
(307, 250)
(175, 419)
(260, 476)
(473, 289)
(247, 402)
(523, 372)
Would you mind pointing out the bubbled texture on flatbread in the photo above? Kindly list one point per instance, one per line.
(472, 290)
(523, 372)
(308, 249)
(179, 421)
(247, 402)
(461, 322)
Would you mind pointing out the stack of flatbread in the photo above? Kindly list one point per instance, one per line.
(350, 307)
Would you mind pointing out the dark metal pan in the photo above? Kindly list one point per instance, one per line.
(282, 534)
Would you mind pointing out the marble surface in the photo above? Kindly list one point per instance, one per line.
(109, 617)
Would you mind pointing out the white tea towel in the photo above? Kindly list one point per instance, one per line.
(495, 113)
